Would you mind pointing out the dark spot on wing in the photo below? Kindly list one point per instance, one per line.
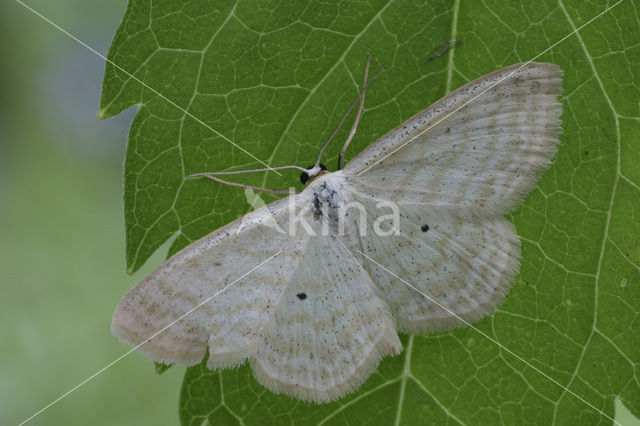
(301, 296)
(424, 228)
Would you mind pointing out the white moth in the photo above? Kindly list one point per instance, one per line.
(304, 300)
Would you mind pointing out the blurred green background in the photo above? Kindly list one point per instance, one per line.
(62, 267)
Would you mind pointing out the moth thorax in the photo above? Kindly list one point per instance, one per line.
(312, 178)
(328, 197)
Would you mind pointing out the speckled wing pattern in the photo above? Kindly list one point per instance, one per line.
(230, 322)
(459, 265)
(311, 313)
(330, 330)
(453, 183)
(309, 320)
(480, 148)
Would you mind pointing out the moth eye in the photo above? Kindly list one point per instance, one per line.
(304, 177)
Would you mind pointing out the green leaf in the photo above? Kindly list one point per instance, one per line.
(161, 368)
(275, 77)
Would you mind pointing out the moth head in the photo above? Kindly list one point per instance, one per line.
(313, 173)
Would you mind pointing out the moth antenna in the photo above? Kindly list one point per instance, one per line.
(237, 172)
(346, 114)
(352, 132)
(241, 185)
(212, 176)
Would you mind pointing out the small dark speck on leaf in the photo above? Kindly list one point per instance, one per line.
(301, 296)
(442, 49)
